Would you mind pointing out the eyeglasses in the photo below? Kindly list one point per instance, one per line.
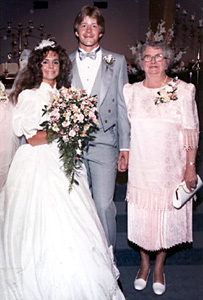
(157, 57)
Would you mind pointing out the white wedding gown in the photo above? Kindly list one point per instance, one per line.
(9, 142)
(54, 244)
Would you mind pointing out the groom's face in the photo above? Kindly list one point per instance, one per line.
(88, 34)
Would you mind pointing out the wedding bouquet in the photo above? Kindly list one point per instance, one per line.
(72, 120)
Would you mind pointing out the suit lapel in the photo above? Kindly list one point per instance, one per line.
(76, 81)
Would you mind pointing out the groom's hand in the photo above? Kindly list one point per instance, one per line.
(123, 160)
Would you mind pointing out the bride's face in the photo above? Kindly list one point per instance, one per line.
(50, 68)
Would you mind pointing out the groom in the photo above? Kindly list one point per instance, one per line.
(102, 73)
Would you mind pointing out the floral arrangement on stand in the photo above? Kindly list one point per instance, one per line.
(3, 96)
(72, 121)
(160, 35)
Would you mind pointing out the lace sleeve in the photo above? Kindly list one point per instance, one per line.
(190, 121)
(191, 138)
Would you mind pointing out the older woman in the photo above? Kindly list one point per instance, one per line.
(164, 139)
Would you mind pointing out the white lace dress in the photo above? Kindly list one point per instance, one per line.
(54, 244)
(160, 135)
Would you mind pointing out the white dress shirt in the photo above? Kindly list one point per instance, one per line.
(88, 69)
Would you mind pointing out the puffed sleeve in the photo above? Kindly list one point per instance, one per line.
(190, 121)
(128, 91)
(27, 114)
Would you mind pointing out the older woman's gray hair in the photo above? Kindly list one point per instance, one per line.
(167, 51)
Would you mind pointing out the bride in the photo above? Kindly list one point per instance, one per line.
(54, 244)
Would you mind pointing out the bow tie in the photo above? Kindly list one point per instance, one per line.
(91, 55)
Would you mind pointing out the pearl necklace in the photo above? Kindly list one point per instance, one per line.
(165, 79)
(162, 82)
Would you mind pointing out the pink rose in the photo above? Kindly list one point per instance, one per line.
(72, 133)
(55, 113)
(65, 139)
(65, 124)
(91, 115)
(80, 117)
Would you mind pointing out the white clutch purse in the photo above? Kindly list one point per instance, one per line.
(181, 194)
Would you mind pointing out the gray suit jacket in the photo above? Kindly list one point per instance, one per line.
(108, 87)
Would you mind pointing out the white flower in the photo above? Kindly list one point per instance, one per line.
(133, 49)
(167, 93)
(72, 133)
(78, 151)
(2, 87)
(3, 96)
(45, 43)
(65, 124)
(109, 59)
(179, 55)
(132, 70)
(55, 128)
(148, 34)
(161, 27)
(165, 96)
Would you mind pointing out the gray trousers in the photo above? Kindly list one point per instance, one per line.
(101, 163)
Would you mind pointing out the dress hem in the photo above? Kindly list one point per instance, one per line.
(162, 248)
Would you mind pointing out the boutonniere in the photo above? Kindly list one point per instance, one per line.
(168, 93)
(109, 59)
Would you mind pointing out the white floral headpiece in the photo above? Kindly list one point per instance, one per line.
(45, 43)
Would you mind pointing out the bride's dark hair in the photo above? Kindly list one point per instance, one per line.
(31, 76)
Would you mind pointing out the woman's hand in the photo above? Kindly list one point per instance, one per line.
(190, 177)
(190, 171)
(39, 138)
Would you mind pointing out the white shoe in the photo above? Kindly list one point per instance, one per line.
(159, 288)
(140, 284)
